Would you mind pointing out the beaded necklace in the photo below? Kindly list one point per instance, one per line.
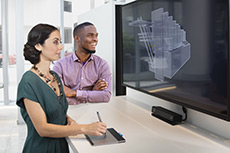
(49, 81)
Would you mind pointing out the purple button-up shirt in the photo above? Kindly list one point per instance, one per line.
(83, 76)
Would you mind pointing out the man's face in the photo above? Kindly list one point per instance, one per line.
(87, 38)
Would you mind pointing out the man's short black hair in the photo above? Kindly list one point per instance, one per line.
(80, 27)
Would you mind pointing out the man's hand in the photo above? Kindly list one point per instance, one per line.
(100, 85)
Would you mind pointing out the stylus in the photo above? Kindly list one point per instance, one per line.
(99, 117)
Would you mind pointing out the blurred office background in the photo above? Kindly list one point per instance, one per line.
(17, 17)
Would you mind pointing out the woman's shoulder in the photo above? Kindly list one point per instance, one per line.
(28, 76)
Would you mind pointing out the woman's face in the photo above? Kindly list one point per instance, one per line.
(51, 49)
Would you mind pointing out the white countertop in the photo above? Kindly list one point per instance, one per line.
(143, 132)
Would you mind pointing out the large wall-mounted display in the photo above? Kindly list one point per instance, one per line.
(178, 50)
(165, 43)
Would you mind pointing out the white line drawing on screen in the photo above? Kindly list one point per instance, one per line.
(165, 42)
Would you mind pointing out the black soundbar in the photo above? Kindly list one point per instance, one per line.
(166, 115)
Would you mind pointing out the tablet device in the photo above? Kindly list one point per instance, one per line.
(111, 137)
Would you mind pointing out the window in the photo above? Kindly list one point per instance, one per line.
(67, 35)
(67, 6)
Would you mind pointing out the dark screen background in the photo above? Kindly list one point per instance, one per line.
(202, 82)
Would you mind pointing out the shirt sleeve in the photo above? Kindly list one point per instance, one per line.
(99, 96)
(25, 90)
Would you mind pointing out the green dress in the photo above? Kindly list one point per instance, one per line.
(34, 88)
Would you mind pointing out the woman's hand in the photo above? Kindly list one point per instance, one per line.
(95, 129)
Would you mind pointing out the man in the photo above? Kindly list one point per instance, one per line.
(85, 77)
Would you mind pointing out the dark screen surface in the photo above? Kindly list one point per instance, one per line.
(178, 50)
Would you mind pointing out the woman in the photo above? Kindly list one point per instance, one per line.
(41, 97)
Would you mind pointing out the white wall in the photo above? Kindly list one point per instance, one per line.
(45, 11)
(79, 7)
(42, 11)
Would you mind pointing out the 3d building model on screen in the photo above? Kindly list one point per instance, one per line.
(165, 42)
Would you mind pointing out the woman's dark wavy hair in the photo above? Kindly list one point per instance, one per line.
(37, 35)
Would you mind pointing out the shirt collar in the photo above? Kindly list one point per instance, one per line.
(75, 58)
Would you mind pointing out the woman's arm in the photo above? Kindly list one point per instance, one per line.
(44, 129)
(70, 121)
